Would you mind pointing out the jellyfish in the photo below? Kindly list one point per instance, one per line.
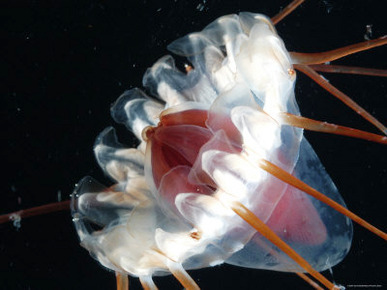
(223, 172)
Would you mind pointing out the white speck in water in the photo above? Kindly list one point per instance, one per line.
(325, 79)
(59, 195)
(328, 5)
(16, 220)
(200, 7)
(368, 34)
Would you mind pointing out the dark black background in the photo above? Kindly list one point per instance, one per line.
(64, 62)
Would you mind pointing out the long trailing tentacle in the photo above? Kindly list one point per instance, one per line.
(122, 281)
(35, 211)
(182, 276)
(343, 69)
(319, 126)
(286, 11)
(341, 96)
(331, 55)
(147, 283)
(310, 281)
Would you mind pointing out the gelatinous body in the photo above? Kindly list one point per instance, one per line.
(202, 140)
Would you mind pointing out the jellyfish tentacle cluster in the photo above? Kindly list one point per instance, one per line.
(202, 134)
